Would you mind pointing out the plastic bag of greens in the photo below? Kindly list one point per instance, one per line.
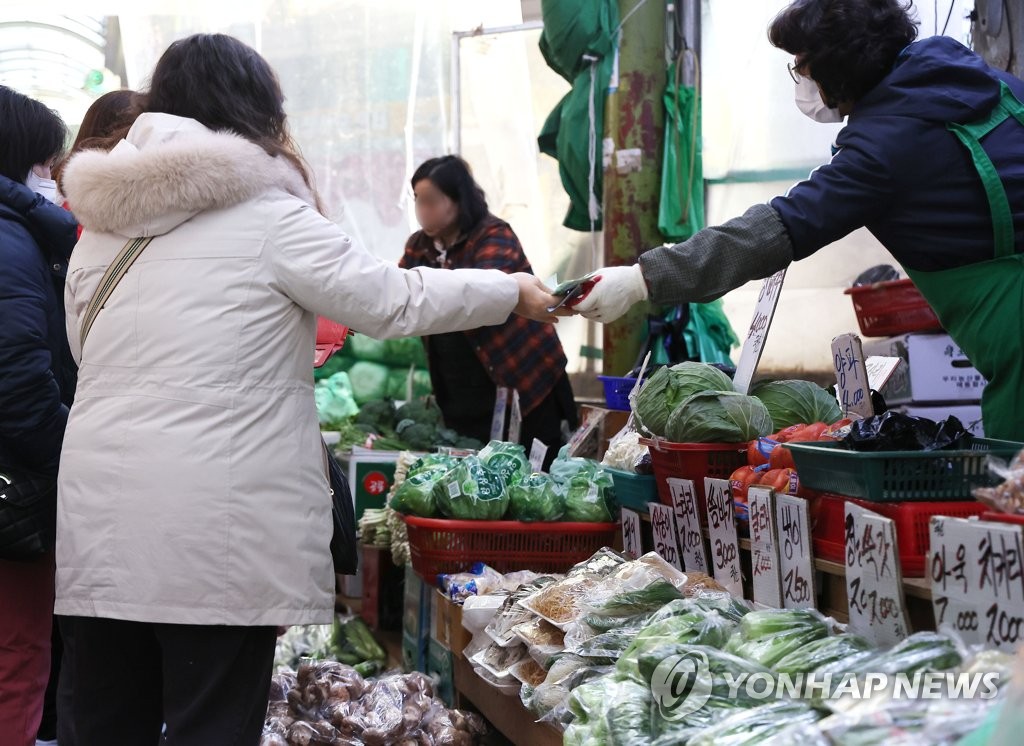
(334, 400)
(565, 467)
(416, 494)
(821, 652)
(618, 710)
(585, 501)
(471, 491)
(766, 637)
(536, 498)
(508, 459)
(695, 627)
(756, 725)
(432, 462)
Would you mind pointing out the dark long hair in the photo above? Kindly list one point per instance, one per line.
(110, 114)
(225, 84)
(30, 133)
(453, 176)
(846, 46)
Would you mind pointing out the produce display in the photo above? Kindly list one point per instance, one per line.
(382, 425)
(667, 388)
(349, 641)
(497, 484)
(797, 402)
(329, 703)
(1007, 497)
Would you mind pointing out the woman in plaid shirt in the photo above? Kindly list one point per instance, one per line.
(466, 368)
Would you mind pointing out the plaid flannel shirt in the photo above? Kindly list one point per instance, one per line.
(520, 354)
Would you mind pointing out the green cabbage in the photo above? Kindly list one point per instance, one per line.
(398, 383)
(362, 347)
(669, 387)
(585, 501)
(405, 351)
(797, 403)
(415, 496)
(536, 498)
(369, 381)
(508, 459)
(719, 417)
(334, 402)
(472, 491)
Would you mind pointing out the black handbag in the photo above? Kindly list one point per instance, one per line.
(28, 514)
(343, 541)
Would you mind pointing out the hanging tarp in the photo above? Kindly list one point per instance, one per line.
(681, 208)
(578, 43)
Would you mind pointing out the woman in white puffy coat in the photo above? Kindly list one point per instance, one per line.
(194, 513)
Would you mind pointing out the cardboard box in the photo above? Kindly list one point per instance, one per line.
(448, 630)
(370, 475)
(415, 621)
(934, 369)
(441, 664)
(969, 414)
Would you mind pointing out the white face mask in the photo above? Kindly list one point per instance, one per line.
(44, 187)
(808, 100)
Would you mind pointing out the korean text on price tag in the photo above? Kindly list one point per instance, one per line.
(688, 531)
(632, 541)
(764, 548)
(851, 376)
(796, 561)
(725, 545)
(977, 580)
(664, 530)
(874, 584)
(757, 334)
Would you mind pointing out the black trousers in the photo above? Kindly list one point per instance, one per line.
(208, 684)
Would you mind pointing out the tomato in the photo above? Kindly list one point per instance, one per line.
(830, 431)
(759, 450)
(810, 433)
(781, 458)
(784, 481)
(786, 434)
(741, 480)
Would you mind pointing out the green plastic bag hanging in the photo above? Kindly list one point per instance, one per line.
(681, 208)
(709, 333)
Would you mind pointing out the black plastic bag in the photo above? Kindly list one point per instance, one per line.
(894, 431)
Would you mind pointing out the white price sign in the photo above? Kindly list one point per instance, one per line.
(757, 334)
(764, 548)
(689, 536)
(851, 375)
(796, 561)
(664, 530)
(977, 580)
(538, 452)
(498, 418)
(725, 544)
(632, 543)
(515, 424)
(874, 583)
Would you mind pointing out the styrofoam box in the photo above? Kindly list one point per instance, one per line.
(934, 369)
(968, 414)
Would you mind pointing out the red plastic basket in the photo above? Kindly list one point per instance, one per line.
(992, 515)
(886, 309)
(828, 527)
(442, 546)
(693, 461)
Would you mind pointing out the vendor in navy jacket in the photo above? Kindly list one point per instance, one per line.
(931, 161)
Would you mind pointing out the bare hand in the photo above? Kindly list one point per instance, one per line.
(535, 299)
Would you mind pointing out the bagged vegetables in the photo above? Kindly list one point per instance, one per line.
(585, 499)
(507, 459)
(536, 498)
(416, 494)
(472, 491)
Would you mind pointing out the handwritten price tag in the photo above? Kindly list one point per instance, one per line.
(689, 536)
(851, 375)
(757, 334)
(874, 585)
(632, 543)
(538, 452)
(764, 548)
(795, 558)
(498, 418)
(664, 529)
(977, 580)
(725, 545)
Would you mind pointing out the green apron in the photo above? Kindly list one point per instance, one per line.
(982, 305)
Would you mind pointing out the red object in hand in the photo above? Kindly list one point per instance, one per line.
(582, 296)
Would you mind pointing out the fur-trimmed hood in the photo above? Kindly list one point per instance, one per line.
(167, 170)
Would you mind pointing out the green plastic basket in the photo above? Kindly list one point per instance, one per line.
(889, 476)
(634, 490)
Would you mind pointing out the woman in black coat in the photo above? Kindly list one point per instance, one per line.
(37, 383)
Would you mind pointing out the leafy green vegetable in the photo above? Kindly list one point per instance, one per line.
(628, 603)
(797, 403)
(508, 459)
(667, 388)
(757, 724)
(821, 652)
(536, 498)
(415, 496)
(378, 414)
(366, 348)
(421, 411)
(369, 381)
(431, 461)
(334, 400)
(770, 649)
(585, 502)
(405, 351)
(718, 417)
(769, 622)
(398, 383)
(472, 491)
(418, 436)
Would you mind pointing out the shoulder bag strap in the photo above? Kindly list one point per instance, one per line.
(117, 270)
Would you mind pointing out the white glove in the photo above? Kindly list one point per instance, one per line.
(614, 291)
